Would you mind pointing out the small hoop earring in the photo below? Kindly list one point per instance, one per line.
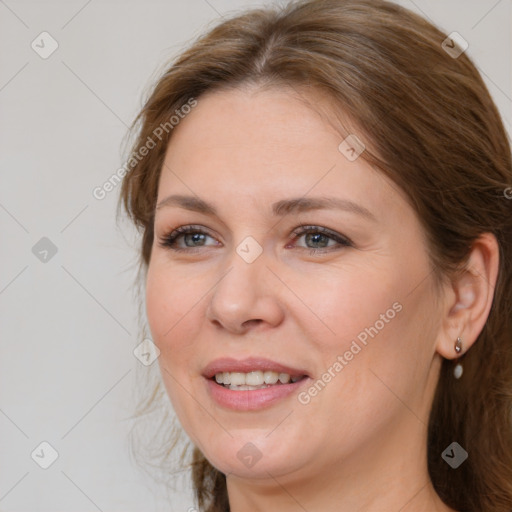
(457, 371)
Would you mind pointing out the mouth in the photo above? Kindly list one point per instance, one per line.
(251, 383)
(253, 371)
(238, 381)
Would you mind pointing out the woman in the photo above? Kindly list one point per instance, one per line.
(327, 250)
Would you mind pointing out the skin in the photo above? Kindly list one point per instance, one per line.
(360, 443)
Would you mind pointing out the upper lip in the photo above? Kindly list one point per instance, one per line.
(247, 365)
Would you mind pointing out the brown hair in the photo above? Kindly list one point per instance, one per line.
(435, 131)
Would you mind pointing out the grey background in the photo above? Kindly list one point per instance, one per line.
(69, 325)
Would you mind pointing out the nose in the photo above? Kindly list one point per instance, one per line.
(246, 297)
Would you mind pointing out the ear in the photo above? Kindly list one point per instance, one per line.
(468, 298)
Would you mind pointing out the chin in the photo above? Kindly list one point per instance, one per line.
(256, 456)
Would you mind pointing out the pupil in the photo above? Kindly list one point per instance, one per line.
(317, 238)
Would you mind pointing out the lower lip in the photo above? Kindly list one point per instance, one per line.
(251, 400)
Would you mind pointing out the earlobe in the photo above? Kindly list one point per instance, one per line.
(470, 298)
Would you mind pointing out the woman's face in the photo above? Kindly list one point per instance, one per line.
(302, 260)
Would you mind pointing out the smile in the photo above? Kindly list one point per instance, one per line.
(251, 384)
(238, 381)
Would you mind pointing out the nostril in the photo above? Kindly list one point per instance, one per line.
(250, 323)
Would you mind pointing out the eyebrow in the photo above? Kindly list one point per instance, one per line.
(280, 208)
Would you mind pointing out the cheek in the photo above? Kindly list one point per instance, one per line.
(345, 305)
(159, 299)
(176, 310)
(168, 300)
(384, 334)
(170, 304)
(374, 318)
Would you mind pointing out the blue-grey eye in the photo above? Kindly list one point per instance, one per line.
(195, 239)
(318, 239)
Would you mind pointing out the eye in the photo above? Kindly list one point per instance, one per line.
(316, 239)
(320, 239)
(186, 238)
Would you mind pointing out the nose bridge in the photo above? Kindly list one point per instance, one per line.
(243, 294)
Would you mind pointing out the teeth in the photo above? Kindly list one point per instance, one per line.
(245, 388)
(237, 379)
(270, 377)
(284, 378)
(253, 379)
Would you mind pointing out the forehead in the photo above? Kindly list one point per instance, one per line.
(261, 145)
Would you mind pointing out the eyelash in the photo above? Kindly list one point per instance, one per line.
(169, 241)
